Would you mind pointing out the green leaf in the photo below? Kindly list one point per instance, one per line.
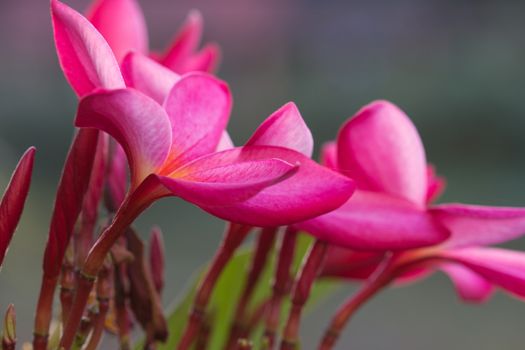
(227, 292)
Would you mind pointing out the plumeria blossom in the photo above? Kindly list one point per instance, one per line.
(13, 200)
(381, 149)
(122, 24)
(387, 165)
(171, 136)
(394, 231)
(172, 148)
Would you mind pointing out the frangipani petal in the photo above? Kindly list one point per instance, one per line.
(381, 150)
(184, 44)
(312, 191)
(479, 225)
(216, 181)
(148, 76)
(225, 142)
(285, 128)
(502, 267)
(199, 107)
(122, 24)
(329, 155)
(136, 121)
(436, 184)
(471, 287)
(85, 57)
(13, 200)
(345, 263)
(374, 222)
(206, 60)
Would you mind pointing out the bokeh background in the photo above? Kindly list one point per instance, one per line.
(456, 67)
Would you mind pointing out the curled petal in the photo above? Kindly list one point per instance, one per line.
(329, 155)
(13, 200)
(86, 58)
(136, 121)
(285, 128)
(206, 60)
(381, 150)
(345, 263)
(471, 287)
(184, 44)
(69, 198)
(225, 142)
(199, 107)
(372, 221)
(148, 76)
(436, 184)
(122, 24)
(312, 191)
(502, 267)
(479, 225)
(215, 180)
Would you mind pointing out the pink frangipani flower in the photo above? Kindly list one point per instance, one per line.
(122, 23)
(393, 231)
(13, 200)
(172, 131)
(470, 227)
(381, 149)
(173, 150)
(174, 135)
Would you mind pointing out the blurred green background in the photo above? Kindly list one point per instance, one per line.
(456, 67)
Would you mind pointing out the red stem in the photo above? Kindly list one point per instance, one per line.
(281, 286)
(43, 312)
(125, 216)
(263, 248)
(234, 237)
(381, 278)
(103, 295)
(301, 291)
(67, 287)
(121, 307)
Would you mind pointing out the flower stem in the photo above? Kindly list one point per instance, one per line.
(43, 312)
(264, 245)
(301, 291)
(67, 285)
(235, 235)
(103, 295)
(94, 261)
(281, 286)
(121, 307)
(381, 278)
(86, 325)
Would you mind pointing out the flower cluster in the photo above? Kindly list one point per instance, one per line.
(152, 125)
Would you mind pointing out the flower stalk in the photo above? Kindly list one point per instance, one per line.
(67, 285)
(281, 286)
(235, 235)
(103, 290)
(127, 213)
(263, 248)
(301, 291)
